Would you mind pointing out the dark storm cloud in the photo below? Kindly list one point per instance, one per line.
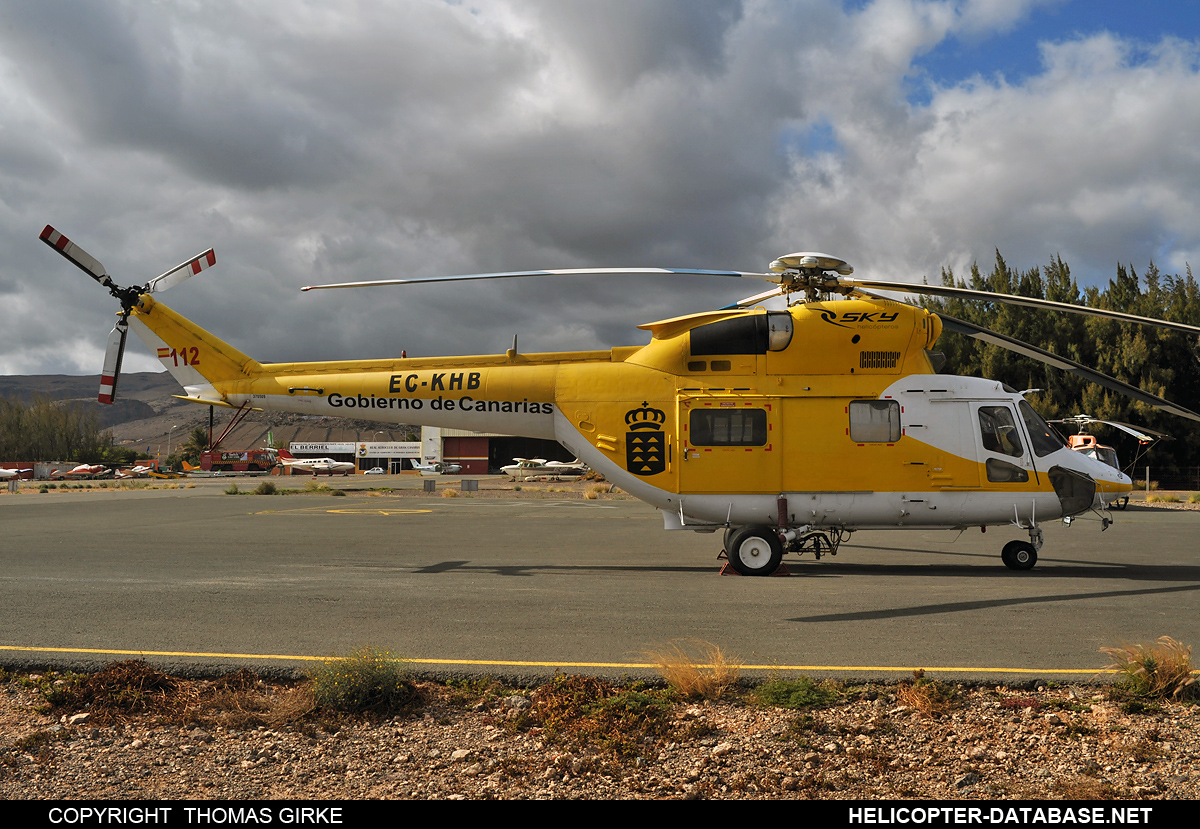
(316, 142)
(124, 75)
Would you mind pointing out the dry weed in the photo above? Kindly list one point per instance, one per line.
(929, 696)
(449, 493)
(1079, 787)
(1153, 671)
(705, 672)
(119, 691)
(125, 690)
(589, 712)
(594, 491)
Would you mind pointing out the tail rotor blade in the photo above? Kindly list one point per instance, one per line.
(77, 256)
(112, 362)
(182, 272)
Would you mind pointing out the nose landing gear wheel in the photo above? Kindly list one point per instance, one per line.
(1019, 555)
(755, 551)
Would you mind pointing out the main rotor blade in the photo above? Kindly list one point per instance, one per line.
(113, 356)
(76, 255)
(1140, 432)
(751, 301)
(768, 277)
(1010, 299)
(970, 329)
(182, 272)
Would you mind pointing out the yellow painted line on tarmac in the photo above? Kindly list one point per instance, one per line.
(548, 664)
(363, 510)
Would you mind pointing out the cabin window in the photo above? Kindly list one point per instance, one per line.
(728, 427)
(697, 365)
(999, 431)
(874, 421)
(1044, 439)
(1003, 472)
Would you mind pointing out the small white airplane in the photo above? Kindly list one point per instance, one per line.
(5, 474)
(316, 466)
(136, 472)
(437, 468)
(527, 469)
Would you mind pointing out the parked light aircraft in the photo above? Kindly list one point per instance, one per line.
(787, 430)
(437, 468)
(5, 474)
(138, 471)
(527, 469)
(84, 470)
(316, 466)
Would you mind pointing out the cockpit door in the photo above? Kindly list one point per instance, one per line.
(1002, 444)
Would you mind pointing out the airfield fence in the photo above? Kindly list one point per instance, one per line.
(1167, 477)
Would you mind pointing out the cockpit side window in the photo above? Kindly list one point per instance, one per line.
(1044, 439)
(999, 431)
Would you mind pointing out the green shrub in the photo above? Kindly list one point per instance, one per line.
(794, 693)
(265, 488)
(232, 489)
(368, 680)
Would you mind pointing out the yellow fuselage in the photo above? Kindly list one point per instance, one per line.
(827, 414)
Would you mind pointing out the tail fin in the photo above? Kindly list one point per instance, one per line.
(195, 358)
(187, 467)
(286, 455)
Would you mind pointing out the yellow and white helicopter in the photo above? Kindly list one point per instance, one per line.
(786, 429)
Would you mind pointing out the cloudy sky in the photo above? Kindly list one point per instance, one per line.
(329, 142)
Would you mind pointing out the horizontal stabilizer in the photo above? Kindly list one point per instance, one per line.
(204, 401)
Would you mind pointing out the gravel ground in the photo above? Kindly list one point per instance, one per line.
(993, 743)
(990, 743)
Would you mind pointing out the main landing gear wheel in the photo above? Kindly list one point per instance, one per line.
(755, 551)
(728, 539)
(1019, 555)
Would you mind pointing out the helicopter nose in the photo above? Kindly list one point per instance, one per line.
(1076, 490)
(1112, 486)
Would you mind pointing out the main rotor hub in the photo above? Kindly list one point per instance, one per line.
(811, 272)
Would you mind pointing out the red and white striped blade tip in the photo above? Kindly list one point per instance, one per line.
(182, 272)
(77, 255)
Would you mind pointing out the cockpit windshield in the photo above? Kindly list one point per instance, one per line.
(1104, 455)
(1044, 439)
